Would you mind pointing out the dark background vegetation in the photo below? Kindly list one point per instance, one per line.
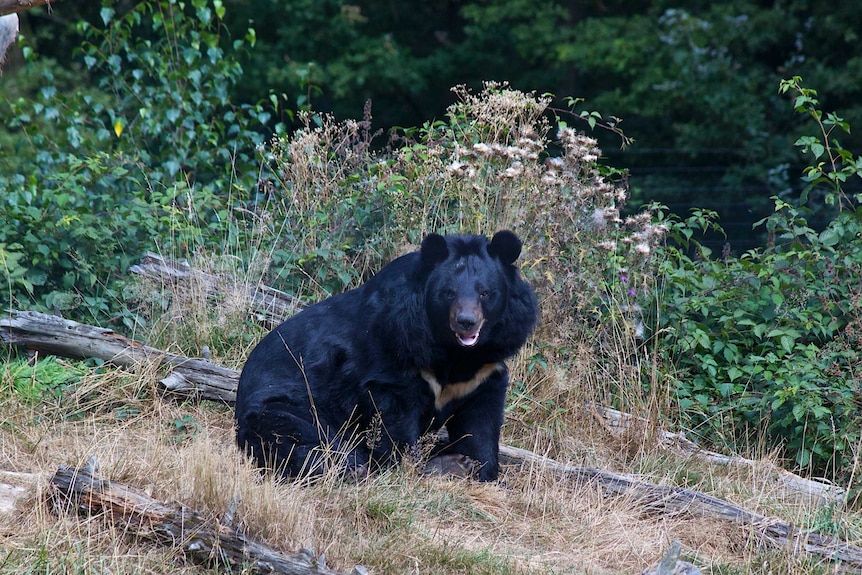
(694, 82)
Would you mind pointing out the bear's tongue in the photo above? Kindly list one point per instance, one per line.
(467, 339)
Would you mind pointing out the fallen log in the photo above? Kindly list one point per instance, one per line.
(14, 486)
(673, 500)
(8, 34)
(49, 334)
(201, 378)
(617, 423)
(269, 305)
(203, 539)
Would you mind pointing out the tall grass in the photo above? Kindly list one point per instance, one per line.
(342, 203)
(339, 200)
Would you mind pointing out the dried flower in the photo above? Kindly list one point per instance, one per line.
(482, 149)
(513, 171)
(456, 167)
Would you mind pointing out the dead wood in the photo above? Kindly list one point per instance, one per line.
(618, 423)
(269, 306)
(14, 486)
(673, 500)
(13, 6)
(202, 538)
(50, 334)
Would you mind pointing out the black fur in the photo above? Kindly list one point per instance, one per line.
(363, 374)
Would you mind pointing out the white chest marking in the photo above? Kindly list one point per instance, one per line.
(443, 394)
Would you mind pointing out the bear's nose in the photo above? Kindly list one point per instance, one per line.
(466, 322)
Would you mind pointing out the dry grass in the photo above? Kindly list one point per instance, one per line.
(395, 522)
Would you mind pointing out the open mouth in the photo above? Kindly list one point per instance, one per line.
(467, 339)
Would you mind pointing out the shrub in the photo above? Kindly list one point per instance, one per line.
(342, 205)
(38, 380)
(157, 157)
(766, 343)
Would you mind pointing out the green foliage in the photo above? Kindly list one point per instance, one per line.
(695, 81)
(768, 341)
(164, 65)
(184, 429)
(35, 381)
(142, 162)
(839, 165)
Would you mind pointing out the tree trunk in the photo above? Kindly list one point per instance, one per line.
(618, 423)
(203, 539)
(54, 335)
(680, 500)
(269, 305)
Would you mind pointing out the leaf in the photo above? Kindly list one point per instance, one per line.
(118, 127)
(172, 166)
(36, 277)
(725, 389)
(345, 278)
(817, 149)
(798, 412)
(106, 13)
(829, 237)
(759, 329)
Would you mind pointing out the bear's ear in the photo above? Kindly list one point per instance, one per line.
(505, 246)
(434, 250)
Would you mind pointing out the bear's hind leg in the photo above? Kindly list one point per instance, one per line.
(279, 440)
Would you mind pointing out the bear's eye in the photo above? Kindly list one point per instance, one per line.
(484, 294)
(449, 294)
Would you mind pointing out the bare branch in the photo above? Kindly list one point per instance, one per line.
(14, 6)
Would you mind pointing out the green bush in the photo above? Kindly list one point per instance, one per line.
(156, 158)
(767, 343)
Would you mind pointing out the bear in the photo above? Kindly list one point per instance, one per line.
(353, 381)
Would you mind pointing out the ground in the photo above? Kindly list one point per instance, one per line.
(395, 522)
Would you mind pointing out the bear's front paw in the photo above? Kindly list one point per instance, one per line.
(452, 464)
(357, 473)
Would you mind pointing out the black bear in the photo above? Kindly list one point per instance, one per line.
(363, 374)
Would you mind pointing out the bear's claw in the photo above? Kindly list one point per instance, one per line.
(453, 464)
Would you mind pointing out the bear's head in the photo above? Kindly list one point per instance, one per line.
(468, 284)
